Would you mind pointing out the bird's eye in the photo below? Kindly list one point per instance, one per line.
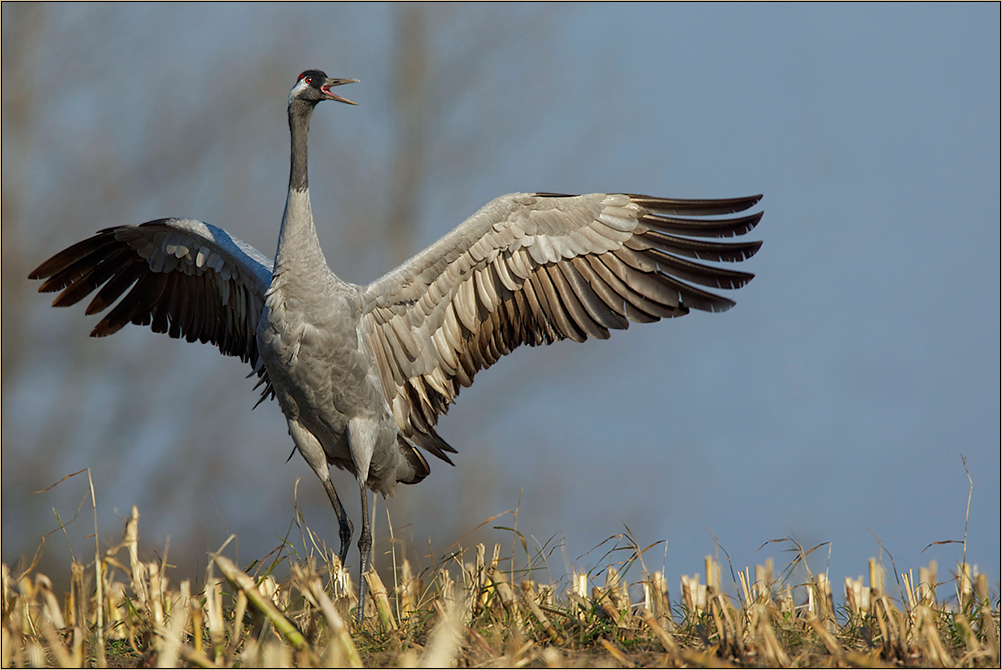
(308, 80)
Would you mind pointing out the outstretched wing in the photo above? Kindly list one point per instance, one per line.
(188, 279)
(536, 268)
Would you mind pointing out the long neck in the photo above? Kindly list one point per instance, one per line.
(298, 248)
(299, 128)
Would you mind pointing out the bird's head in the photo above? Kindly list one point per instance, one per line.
(313, 86)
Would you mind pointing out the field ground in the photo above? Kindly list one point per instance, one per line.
(474, 609)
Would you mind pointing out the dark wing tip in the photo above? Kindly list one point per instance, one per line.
(697, 207)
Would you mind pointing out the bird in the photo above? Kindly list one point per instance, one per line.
(362, 373)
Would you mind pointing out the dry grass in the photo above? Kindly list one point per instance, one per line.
(474, 609)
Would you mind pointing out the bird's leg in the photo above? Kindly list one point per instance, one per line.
(362, 434)
(314, 454)
(364, 546)
(311, 450)
(345, 528)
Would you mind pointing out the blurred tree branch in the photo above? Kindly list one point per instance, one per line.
(23, 28)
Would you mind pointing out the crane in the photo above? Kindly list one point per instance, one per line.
(362, 373)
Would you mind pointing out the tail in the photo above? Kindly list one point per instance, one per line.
(416, 467)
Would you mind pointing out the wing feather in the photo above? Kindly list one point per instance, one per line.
(537, 268)
(614, 312)
(130, 271)
(637, 307)
(178, 276)
(597, 310)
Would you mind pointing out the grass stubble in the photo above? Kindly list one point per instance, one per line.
(475, 608)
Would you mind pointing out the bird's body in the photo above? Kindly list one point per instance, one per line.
(362, 373)
(321, 369)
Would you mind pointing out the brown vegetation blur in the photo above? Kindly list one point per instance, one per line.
(474, 608)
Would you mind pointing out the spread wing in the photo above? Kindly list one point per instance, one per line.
(536, 268)
(188, 279)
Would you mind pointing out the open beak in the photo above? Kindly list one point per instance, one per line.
(331, 83)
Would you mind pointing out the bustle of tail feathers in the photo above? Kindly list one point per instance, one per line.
(415, 459)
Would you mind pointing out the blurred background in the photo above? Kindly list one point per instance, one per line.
(835, 404)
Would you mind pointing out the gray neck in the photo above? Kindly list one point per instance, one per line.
(299, 127)
(298, 248)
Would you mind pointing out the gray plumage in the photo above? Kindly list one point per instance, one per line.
(362, 373)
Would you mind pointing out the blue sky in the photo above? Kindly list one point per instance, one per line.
(833, 404)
